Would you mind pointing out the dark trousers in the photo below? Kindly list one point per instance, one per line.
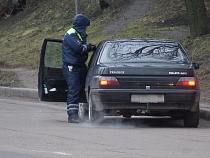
(75, 78)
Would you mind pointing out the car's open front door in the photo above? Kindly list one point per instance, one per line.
(51, 83)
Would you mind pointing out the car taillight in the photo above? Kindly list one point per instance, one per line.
(108, 81)
(187, 81)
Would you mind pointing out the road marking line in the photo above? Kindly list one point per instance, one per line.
(61, 153)
(58, 153)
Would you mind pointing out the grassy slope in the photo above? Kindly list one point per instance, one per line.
(21, 36)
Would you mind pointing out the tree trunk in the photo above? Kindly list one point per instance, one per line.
(197, 17)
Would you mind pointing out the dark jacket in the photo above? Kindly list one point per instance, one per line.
(74, 48)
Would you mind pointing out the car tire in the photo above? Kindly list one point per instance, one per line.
(83, 112)
(191, 119)
(94, 116)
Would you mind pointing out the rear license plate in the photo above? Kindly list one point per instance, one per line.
(147, 98)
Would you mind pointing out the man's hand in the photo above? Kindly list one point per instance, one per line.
(90, 47)
(93, 47)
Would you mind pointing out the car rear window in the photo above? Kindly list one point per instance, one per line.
(142, 51)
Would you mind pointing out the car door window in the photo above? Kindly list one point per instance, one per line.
(53, 55)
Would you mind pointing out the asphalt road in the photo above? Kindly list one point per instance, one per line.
(33, 129)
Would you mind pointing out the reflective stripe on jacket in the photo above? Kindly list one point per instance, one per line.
(72, 30)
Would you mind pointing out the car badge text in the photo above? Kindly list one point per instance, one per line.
(117, 72)
(177, 73)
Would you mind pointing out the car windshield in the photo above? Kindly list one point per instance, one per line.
(142, 51)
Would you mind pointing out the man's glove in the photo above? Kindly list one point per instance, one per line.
(90, 47)
(93, 47)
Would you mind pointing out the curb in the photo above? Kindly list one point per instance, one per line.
(33, 94)
(19, 92)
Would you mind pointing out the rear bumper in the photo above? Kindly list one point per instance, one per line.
(121, 99)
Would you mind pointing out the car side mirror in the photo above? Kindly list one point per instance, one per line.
(196, 66)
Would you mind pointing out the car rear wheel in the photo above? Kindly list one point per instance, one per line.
(191, 119)
(94, 116)
(83, 112)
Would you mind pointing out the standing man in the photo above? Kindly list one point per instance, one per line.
(74, 55)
